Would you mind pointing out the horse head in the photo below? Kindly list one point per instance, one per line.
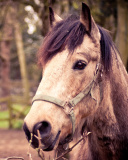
(76, 61)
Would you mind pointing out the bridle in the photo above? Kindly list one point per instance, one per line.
(68, 106)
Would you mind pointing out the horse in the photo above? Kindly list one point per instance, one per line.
(84, 89)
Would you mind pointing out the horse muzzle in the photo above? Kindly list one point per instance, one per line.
(41, 136)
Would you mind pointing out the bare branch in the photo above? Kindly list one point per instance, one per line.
(40, 151)
(28, 153)
(70, 149)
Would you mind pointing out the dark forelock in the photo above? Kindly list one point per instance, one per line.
(70, 33)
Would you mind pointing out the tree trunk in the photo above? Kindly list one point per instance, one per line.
(122, 30)
(59, 7)
(45, 17)
(21, 55)
(5, 41)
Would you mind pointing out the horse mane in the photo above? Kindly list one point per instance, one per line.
(70, 33)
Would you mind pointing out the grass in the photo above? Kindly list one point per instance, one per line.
(4, 124)
(16, 122)
(4, 115)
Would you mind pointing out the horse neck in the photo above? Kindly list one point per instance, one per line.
(119, 90)
(113, 109)
(111, 116)
(119, 73)
(109, 123)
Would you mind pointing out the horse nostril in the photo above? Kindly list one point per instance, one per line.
(44, 128)
(28, 135)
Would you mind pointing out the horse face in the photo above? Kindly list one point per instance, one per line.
(64, 76)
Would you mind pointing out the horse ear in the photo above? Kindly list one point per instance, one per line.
(85, 17)
(54, 18)
(87, 20)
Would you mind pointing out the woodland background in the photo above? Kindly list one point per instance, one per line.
(23, 25)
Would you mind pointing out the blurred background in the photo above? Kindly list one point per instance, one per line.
(23, 25)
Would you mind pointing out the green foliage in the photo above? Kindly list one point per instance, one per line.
(4, 115)
(17, 122)
(4, 125)
(75, 5)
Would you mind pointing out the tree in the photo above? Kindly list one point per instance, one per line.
(5, 44)
(20, 52)
(11, 25)
(122, 30)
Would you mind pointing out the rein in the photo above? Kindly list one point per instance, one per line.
(68, 106)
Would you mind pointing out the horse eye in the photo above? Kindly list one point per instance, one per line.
(80, 65)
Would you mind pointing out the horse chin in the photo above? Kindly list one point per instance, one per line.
(53, 144)
(56, 143)
(66, 140)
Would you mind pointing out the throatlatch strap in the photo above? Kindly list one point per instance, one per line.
(72, 117)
